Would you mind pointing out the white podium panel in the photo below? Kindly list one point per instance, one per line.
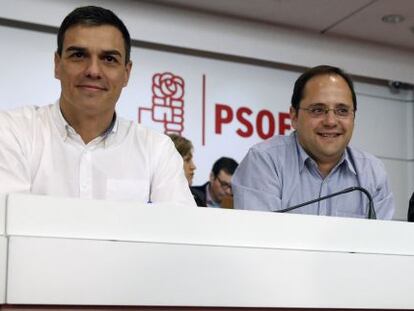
(3, 248)
(90, 219)
(85, 252)
(91, 272)
(3, 268)
(2, 214)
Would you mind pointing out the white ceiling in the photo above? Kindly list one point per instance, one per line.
(357, 19)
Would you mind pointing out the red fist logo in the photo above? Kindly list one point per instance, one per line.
(167, 102)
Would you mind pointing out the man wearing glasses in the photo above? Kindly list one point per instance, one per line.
(214, 192)
(315, 160)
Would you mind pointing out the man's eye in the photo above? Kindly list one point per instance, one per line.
(317, 110)
(342, 110)
(77, 55)
(110, 59)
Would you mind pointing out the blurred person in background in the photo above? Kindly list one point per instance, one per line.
(410, 216)
(185, 149)
(217, 192)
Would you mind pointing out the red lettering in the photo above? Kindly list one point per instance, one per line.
(249, 127)
(265, 124)
(283, 126)
(223, 119)
(259, 124)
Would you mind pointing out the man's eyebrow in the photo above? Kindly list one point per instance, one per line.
(336, 104)
(75, 48)
(112, 52)
(104, 52)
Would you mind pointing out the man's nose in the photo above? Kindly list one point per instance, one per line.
(330, 118)
(93, 69)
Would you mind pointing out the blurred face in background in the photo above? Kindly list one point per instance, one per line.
(220, 186)
(189, 167)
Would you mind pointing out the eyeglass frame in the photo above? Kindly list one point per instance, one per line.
(223, 184)
(326, 110)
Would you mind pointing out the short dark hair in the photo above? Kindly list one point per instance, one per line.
(228, 165)
(182, 144)
(319, 71)
(93, 16)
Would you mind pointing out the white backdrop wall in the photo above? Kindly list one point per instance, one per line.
(384, 124)
(188, 29)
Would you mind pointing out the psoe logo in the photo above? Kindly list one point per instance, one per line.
(167, 102)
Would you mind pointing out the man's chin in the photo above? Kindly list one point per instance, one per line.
(332, 155)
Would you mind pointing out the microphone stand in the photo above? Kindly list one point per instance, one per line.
(371, 209)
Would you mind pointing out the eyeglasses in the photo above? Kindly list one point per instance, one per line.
(223, 184)
(341, 112)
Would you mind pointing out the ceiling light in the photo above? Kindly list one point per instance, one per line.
(393, 18)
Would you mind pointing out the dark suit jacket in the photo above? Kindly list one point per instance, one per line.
(199, 194)
(410, 216)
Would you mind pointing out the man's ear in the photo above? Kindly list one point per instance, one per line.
(128, 68)
(293, 116)
(212, 177)
(57, 65)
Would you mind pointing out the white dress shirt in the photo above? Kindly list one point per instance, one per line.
(41, 153)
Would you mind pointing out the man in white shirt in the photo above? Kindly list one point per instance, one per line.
(79, 146)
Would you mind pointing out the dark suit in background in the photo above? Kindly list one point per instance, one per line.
(199, 194)
(410, 215)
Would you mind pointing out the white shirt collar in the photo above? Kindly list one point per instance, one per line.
(65, 129)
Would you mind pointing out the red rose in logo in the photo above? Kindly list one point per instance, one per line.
(167, 102)
(167, 85)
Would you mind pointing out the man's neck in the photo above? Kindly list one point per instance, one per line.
(325, 168)
(88, 126)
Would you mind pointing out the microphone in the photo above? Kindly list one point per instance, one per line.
(371, 209)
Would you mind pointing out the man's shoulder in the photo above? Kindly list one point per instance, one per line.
(363, 157)
(25, 116)
(201, 188)
(142, 133)
(276, 156)
(275, 145)
(199, 194)
(366, 164)
(24, 111)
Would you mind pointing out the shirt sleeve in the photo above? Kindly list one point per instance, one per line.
(168, 183)
(256, 183)
(14, 164)
(383, 198)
